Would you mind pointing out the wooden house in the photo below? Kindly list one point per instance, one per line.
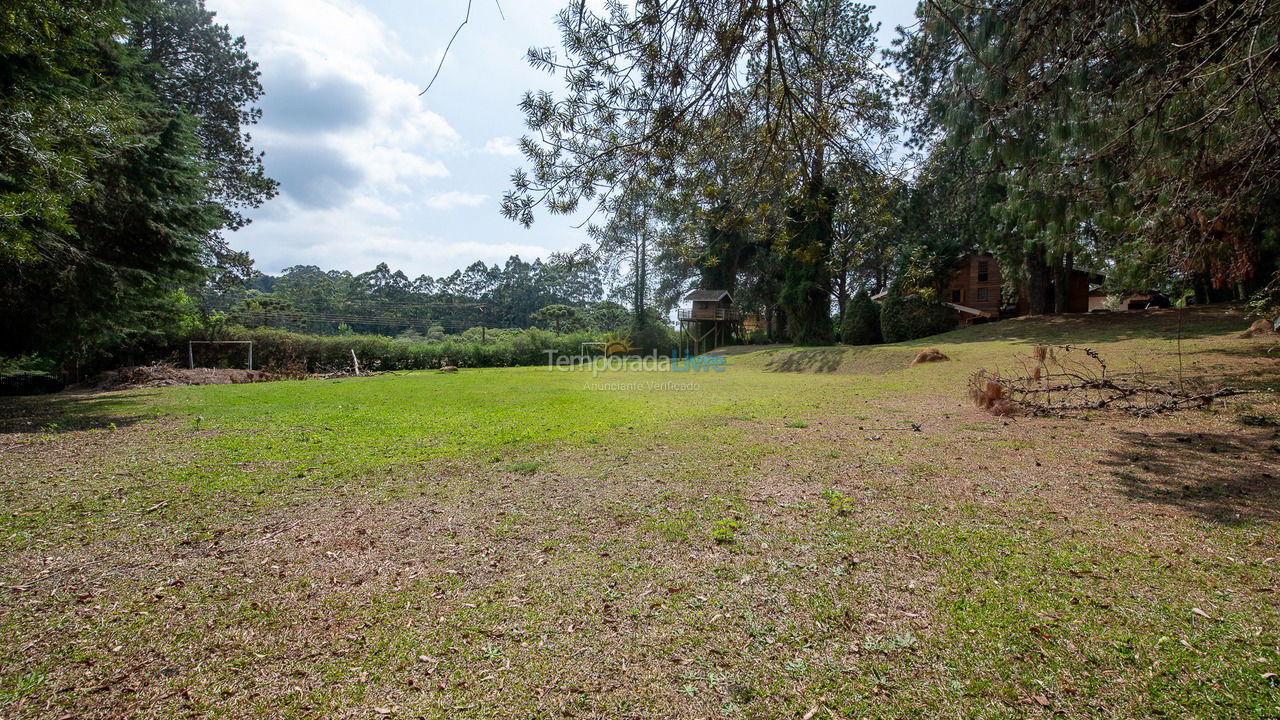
(974, 291)
(712, 305)
(709, 320)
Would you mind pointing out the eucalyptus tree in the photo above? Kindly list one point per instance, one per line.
(656, 91)
(865, 231)
(1149, 130)
(629, 239)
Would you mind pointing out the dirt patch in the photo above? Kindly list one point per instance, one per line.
(929, 355)
(155, 376)
(730, 350)
(841, 359)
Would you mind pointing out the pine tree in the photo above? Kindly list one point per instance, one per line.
(714, 100)
(132, 209)
(861, 325)
(1146, 135)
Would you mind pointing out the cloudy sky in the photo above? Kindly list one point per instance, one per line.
(370, 171)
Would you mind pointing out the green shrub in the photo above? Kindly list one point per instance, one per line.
(29, 375)
(908, 318)
(294, 353)
(653, 336)
(861, 324)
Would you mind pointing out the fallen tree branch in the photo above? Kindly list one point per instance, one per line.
(1070, 379)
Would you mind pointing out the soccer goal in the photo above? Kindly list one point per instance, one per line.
(191, 349)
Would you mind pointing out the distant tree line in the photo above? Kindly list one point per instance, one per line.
(518, 294)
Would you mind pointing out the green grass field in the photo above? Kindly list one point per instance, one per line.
(773, 541)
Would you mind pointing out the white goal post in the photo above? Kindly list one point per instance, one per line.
(191, 353)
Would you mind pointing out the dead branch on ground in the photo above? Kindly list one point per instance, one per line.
(1066, 380)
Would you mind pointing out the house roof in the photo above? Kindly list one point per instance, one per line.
(708, 295)
(967, 309)
(1091, 275)
(958, 308)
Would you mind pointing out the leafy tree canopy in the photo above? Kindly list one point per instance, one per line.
(124, 156)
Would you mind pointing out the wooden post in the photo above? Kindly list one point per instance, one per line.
(355, 362)
(191, 356)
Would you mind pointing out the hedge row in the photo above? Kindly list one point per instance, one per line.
(287, 352)
(911, 317)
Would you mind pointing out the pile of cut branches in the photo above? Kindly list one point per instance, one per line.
(1065, 380)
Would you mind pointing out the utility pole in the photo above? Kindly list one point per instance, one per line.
(483, 339)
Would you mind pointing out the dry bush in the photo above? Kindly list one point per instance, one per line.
(291, 366)
(929, 355)
(988, 394)
(1070, 379)
(1259, 328)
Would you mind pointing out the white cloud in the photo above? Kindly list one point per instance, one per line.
(453, 198)
(368, 166)
(319, 58)
(329, 239)
(501, 146)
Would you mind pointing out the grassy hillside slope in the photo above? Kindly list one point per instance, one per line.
(774, 540)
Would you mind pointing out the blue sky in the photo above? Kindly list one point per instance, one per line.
(369, 171)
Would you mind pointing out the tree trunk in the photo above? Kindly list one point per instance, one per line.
(1198, 285)
(1062, 282)
(842, 289)
(642, 252)
(1037, 275)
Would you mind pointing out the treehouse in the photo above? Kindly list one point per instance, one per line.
(710, 320)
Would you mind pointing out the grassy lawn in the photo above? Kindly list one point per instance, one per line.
(771, 541)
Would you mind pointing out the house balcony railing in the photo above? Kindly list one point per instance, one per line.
(729, 314)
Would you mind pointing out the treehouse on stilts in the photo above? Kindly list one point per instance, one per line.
(709, 321)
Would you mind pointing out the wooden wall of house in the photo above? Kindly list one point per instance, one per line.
(1077, 292)
(968, 287)
(711, 305)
